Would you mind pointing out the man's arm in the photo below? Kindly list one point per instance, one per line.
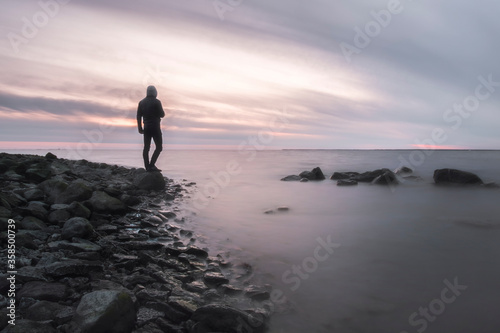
(139, 119)
(162, 112)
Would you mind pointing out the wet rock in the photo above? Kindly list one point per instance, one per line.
(215, 279)
(4, 212)
(196, 251)
(105, 311)
(369, 176)
(30, 273)
(386, 178)
(104, 203)
(343, 175)
(183, 304)
(150, 181)
(454, 176)
(231, 290)
(256, 293)
(346, 182)
(32, 223)
(50, 156)
(314, 174)
(48, 291)
(221, 318)
(196, 287)
(403, 171)
(291, 178)
(77, 227)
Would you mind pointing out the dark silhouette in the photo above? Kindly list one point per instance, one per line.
(150, 111)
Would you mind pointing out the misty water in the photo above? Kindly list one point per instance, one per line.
(410, 258)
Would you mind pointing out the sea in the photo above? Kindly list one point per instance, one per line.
(412, 257)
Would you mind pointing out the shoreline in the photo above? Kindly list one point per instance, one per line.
(101, 247)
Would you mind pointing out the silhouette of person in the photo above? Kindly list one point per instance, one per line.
(150, 111)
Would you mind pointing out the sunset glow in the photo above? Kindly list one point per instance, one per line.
(221, 81)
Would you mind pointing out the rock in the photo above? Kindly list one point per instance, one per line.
(79, 210)
(146, 315)
(150, 181)
(104, 203)
(53, 188)
(105, 311)
(76, 191)
(31, 326)
(6, 213)
(403, 171)
(314, 174)
(130, 200)
(37, 209)
(454, 176)
(39, 290)
(343, 175)
(346, 182)
(386, 178)
(215, 279)
(59, 216)
(72, 267)
(291, 178)
(26, 240)
(197, 252)
(50, 156)
(77, 227)
(221, 318)
(45, 310)
(283, 209)
(256, 293)
(79, 245)
(32, 223)
(34, 194)
(38, 174)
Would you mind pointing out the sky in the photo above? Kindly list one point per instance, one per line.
(319, 74)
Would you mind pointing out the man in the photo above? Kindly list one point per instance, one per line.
(151, 111)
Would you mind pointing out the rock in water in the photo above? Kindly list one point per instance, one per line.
(387, 178)
(150, 181)
(314, 174)
(221, 318)
(291, 178)
(105, 311)
(454, 176)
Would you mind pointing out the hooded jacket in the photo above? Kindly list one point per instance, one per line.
(150, 110)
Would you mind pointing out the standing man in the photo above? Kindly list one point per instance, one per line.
(151, 111)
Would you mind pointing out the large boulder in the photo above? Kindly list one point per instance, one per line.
(77, 227)
(454, 176)
(150, 181)
(104, 203)
(386, 178)
(369, 176)
(105, 311)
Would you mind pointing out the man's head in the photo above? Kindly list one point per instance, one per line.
(151, 91)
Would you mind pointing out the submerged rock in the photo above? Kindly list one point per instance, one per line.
(454, 176)
(221, 318)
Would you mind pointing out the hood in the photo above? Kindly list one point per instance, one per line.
(151, 92)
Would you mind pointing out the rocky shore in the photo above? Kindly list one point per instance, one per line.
(104, 248)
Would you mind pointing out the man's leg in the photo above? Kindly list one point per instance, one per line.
(158, 139)
(147, 146)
